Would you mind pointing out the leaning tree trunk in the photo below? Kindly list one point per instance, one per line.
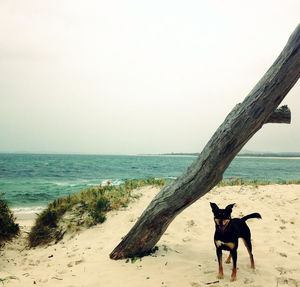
(258, 108)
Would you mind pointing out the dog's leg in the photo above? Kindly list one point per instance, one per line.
(234, 259)
(228, 259)
(248, 245)
(219, 255)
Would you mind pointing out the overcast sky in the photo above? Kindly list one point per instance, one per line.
(130, 77)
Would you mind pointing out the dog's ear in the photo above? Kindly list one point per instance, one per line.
(229, 207)
(214, 207)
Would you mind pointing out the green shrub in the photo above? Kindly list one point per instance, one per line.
(8, 227)
(97, 212)
(44, 228)
(40, 234)
(49, 218)
(102, 204)
(98, 217)
(95, 202)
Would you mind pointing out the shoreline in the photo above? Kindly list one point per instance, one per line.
(31, 212)
(238, 156)
(26, 212)
(25, 216)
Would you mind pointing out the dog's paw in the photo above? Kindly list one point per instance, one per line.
(220, 276)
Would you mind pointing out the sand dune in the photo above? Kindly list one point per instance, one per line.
(186, 255)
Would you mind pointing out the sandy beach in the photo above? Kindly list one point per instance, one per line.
(186, 254)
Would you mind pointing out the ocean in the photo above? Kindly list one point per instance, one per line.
(29, 181)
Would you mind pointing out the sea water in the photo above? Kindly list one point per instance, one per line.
(29, 181)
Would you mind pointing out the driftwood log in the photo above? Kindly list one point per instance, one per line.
(258, 108)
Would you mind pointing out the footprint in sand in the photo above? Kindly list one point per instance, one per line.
(283, 281)
(190, 223)
(272, 249)
(248, 280)
(132, 218)
(209, 271)
(283, 270)
(289, 243)
(34, 263)
(79, 261)
(186, 239)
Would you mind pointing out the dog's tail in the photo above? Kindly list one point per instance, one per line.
(252, 215)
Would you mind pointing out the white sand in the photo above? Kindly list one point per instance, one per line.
(186, 255)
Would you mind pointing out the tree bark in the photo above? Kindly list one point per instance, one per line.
(207, 170)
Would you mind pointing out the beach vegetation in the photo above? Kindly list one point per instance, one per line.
(235, 181)
(7, 279)
(97, 211)
(289, 182)
(84, 209)
(90, 207)
(139, 256)
(8, 227)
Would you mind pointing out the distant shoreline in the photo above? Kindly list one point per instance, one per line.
(269, 157)
(266, 155)
(284, 155)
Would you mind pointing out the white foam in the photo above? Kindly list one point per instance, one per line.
(112, 182)
(27, 210)
(64, 184)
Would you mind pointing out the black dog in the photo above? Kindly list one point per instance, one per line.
(227, 234)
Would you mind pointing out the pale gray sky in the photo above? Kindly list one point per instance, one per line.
(127, 77)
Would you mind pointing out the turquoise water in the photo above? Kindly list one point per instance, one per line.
(32, 180)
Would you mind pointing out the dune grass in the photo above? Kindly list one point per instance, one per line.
(8, 227)
(232, 181)
(88, 206)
